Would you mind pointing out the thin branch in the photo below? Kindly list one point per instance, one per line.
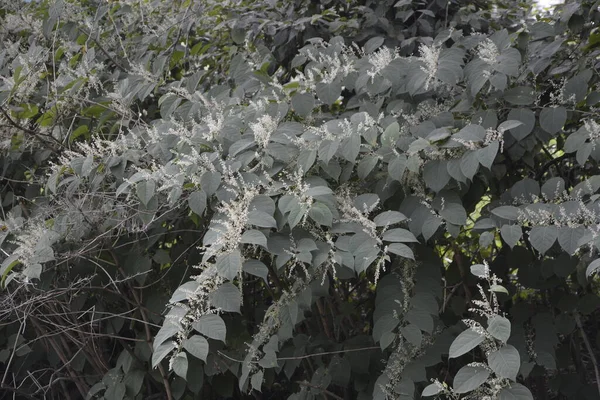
(552, 161)
(588, 347)
(30, 132)
(97, 43)
(146, 326)
(325, 353)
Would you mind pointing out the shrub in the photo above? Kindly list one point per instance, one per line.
(351, 199)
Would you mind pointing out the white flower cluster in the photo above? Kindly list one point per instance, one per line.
(557, 96)
(561, 216)
(329, 66)
(352, 214)
(593, 129)
(488, 52)
(299, 188)
(430, 56)
(213, 120)
(381, 59)
(492, 135)
(263, 129)
(230, 228)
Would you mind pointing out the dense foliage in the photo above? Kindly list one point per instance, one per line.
(345, 199)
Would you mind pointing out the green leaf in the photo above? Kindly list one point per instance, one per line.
(469, 164)
(197, 346)
(269, 360)
(593, 268)
(499, 327)
(553, 188)
(425, 301)
(145, 191)
(161, 352)
(405, 389)
(256, 268)
(386, 340)
(366, 165)
(511, 234)
(505, 362)
(569, 238)
(98, 387)
(303, 104)
(515, 392)
(385, 324)
(212, 326)
(508, 62)
(373, 44)
(180, 365)
(321, 214)
(527, 117)
(479, 270)
(575, 141)
(253, 236)
(296, 213)
(389, 218)
(183, 291)
(431, 390)
(227, 297)
(328, 93)
(261, 219)
(510, 213)
(498, 289)
(487, 155)
(197, 202)
(454, 213)
(257, 380)
(134, 380)
(509, 124)
(520, 95)
(396, 168)
(435, 174)
(577, 86)
(229, 265)
(399, 235)
(82, 130)
(306, 159)
(543, 237)
(115, 392)
(33, 271)
(350, 147)
(167, 331)
(469, 378)
(552, 119)
(401, 250)
(412, 334)
(87, 166)
(391, 134)
(465, 342)
(420, 318)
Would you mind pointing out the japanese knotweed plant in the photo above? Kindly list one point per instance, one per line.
(496, 377)
(207, 199)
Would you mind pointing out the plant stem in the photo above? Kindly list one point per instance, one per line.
(588, 347)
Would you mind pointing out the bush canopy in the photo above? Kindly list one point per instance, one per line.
(294, 199)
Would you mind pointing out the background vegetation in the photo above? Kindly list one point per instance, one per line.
(344, 199)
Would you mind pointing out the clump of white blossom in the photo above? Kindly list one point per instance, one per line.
(488, 52)
(430, 55)
(263, 129)
(381, 59)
